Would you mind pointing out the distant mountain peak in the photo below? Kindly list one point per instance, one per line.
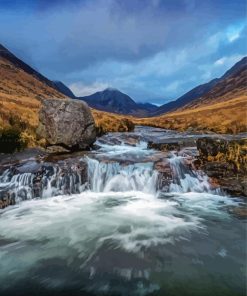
(113, 100)
(111, 89)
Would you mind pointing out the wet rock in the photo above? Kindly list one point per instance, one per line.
(172, 144)
(164, 146)
(57, 149)
(165, 174)
(44, 179)
(21, 156)
(225, 161)
(66, 123)
(6, 200)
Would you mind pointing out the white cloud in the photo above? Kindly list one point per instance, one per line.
(80, 89)
(228, 61)
(173, 86)
(234, 32)
(220, 62)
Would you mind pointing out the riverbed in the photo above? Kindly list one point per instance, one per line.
(111, 227)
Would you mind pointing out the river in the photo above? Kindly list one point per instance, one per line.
(124, 231)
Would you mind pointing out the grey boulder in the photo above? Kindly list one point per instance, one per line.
(66, 123)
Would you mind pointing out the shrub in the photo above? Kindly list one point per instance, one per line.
(10, 140)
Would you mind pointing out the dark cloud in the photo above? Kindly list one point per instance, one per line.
(67, 39)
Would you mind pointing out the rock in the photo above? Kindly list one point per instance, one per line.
(36, 179)
(164, 146)
(66, 123)
(225, 162)
(165, 174)
(171, 144)
(57, 149)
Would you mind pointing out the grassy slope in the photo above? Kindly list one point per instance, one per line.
(110, 122)
(20, 93)
(19, 103)
(222, 117)
(19, 100)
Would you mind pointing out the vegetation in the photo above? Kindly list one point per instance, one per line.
(11, 141)
(222, 117)
(109, 122)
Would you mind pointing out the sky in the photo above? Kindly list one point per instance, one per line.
(153, 50)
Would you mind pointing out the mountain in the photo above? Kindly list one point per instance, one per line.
(60, 86)
(113, 100)
(147, 106)
(21, 87)
(231, 85)
(202, 90)
(18, 78)
(221, 109)
(191, 95)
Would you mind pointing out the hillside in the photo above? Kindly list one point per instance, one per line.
(206, 90)
(114, 101)
(111, 122)
(21, 87)
(191, 95)
(222, 117)
(222, 109)
(231, 85)
(60, 86)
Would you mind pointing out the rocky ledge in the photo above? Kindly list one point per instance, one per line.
(37, 178)
(222, 158)
(172, 144)
(66, 125)
(225, 162)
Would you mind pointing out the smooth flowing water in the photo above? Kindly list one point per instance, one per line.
(119, 233)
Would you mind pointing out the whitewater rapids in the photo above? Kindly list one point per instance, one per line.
(119, 234)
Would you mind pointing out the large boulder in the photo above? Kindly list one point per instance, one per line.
(66, 123)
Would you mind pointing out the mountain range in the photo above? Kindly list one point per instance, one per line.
(113, 100)
(224, 99)
(211, 90)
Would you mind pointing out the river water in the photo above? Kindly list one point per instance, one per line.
(121, 233)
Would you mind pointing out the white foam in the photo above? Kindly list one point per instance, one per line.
(111, 176)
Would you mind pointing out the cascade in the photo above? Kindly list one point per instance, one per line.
(111, 176)
(50, 181)
(186, 179)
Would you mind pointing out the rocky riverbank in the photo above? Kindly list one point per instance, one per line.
(222, 158)
(34, 173)
(225, 162)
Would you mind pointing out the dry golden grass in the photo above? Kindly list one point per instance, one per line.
(19, 100)
(20, 93)
(110, 122)
(222, 117)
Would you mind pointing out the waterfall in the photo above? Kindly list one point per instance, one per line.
(185, 179)
(111, 176)
(53, 180)
(48, 181)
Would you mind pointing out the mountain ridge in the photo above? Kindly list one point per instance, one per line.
(113, 100)
(200, 91)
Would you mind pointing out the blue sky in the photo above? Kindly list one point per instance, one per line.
(153, 50)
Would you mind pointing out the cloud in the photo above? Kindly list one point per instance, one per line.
(234, 31)
(152, 50)
(228, 61)
(220, 61)
(80, 89)
(67, 36)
